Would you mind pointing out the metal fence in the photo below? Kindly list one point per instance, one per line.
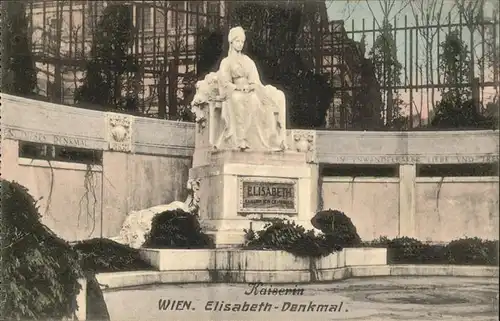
(369, 94)
(166, 34)
(419, 81)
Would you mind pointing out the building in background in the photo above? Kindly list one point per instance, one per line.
(62, 34)
(357, 100)
(166, 38)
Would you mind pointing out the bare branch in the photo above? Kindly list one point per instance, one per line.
(349, 8)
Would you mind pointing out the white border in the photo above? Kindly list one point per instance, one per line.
(250, 210)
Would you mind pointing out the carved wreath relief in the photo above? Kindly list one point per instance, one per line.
(119, 132)
(207, 90)
(305, 143)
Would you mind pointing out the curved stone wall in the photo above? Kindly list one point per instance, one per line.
(145, 163)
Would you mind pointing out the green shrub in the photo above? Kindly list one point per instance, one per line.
(177, 229)
(250, 236)
(104, 255)
(467, 251)
(382, 241)
(433, 254)
(472, 251)
(405, 250)
(40, 271)
(288, 236)
(338, 227)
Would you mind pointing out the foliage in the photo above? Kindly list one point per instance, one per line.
(454, 66)
(104, 255)
(338, 226)
(388, 70)
(467, 251)
(278, 234)
(287, 236)
(110, 73)
(382, 241)
(492, 109)
(472, 251)
(273, 34)
(405, 249)
(457, 109)
(39, 270)
(367, 99)
(210, 44)
(177, 229)
(453, 112)
(18, 66)
(250, 236)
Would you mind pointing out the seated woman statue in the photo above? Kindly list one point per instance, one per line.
(248, 113)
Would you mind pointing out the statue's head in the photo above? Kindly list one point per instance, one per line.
(236, 38)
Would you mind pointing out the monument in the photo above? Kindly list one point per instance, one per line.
(246, 170)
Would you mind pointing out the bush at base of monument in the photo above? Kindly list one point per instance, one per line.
(40, 271)
(177, 229)
(465, 251)
(473, 251)
(288, 236)
(338, 227)
(104, 255)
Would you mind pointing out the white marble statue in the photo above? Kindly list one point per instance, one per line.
(253, 116)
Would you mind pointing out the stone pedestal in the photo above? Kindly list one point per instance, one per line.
(240, 189)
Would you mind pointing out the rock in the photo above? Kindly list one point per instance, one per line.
(138, 223)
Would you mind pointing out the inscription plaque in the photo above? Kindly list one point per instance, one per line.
(267, 195)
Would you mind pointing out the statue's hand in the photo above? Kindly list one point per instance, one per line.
(249, 88)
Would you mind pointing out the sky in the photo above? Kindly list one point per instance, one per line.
(353, 12)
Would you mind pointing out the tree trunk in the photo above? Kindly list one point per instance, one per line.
(390, 106)
(172, 89)
(58, 93)
(162, 93)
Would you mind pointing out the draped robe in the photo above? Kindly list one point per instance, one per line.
(248, 118)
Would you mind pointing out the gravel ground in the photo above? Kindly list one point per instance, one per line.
(382, 298)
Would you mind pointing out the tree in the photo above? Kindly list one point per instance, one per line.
(110, 73)
(210, 50)
(454, 66)
(18, 67)
(428, 12)
(174, 78)
(492, 53)
(210, 44)
(366, 97)
(457, 109)
(272, 32)
(454, 112)
(388, 71)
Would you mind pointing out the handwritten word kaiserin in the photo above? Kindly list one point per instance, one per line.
(258, 288)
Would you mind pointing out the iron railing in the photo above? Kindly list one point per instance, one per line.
(420, 83)
(167, 34)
